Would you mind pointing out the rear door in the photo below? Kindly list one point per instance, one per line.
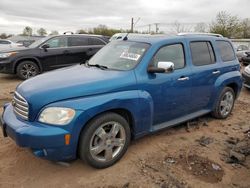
(206, 69)
(78, 49)
(82, 48)
(95, 45)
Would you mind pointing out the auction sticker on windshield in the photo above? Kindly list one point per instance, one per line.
(130, 56)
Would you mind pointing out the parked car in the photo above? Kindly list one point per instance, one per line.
(6, 44)
(246, 59)
(50, 53)
(246, 76)
(120, 36)
(129, 89)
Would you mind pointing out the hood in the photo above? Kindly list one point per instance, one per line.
(9, 49)
(73, 82)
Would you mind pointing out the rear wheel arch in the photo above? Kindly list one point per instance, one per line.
(235, 88)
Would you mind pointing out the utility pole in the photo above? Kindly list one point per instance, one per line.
(156, 28)
(132, 25)
(149, 28)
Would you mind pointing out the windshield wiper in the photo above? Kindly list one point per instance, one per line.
(103, 67)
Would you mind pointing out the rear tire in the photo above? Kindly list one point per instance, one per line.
(104, 140)
(225, 104)
(27, 69)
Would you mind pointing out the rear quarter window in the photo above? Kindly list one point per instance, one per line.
(226, 51)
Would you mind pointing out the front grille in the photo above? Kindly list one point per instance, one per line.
(20, 106)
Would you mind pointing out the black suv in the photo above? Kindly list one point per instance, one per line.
(50, 53)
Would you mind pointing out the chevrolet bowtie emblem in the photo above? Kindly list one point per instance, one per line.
(13, 103)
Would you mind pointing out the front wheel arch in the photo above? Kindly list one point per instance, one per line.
(83, 148)
(27, 59)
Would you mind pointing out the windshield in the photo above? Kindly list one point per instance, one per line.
(120, 55)
(38, 42)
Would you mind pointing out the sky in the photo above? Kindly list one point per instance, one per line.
(72, 15)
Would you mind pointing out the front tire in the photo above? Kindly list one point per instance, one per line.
(27, 69)
(104, 140)
(225, 104)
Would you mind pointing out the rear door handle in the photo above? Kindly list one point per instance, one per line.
(65, 51)
(183, 78)
(216, 72)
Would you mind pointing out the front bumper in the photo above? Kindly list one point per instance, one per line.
(246, 78)
(6, 66)
(44, 140)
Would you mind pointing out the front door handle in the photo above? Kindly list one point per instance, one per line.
(183, 78)
(66, 51)
(216, 72)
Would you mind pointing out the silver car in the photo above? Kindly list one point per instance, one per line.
(5, 44)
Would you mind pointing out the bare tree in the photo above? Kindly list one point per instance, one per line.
(180, 28)
(200, 27)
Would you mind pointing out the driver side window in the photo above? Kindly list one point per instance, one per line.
(58, 42)
(171, 53)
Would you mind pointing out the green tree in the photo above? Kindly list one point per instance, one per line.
(245, 28)
(226, 25)
(27, 31)
(82, 31)
(41, 32)
(3, 36)
(54, 32)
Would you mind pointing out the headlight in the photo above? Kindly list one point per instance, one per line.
(247, 69)
(6, 55)
(57, 115)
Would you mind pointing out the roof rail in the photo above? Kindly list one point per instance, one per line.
(208, 34)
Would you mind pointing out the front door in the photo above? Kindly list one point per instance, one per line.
(171, 91)
(54, 56)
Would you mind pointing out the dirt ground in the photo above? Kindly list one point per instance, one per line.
(184, 156)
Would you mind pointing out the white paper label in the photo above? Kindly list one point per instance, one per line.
(130, 56)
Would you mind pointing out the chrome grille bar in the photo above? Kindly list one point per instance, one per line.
(20, 106)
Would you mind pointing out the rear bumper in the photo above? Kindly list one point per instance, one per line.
(45, 141)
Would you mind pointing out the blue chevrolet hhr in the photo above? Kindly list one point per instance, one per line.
(130, 88)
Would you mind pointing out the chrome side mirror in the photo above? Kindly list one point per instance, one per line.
(168, 66)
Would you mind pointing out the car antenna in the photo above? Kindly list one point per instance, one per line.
(126, 37)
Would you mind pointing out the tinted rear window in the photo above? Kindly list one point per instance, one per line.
(96, 41)
(226, 51)
(202, 53)
(77, 41)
